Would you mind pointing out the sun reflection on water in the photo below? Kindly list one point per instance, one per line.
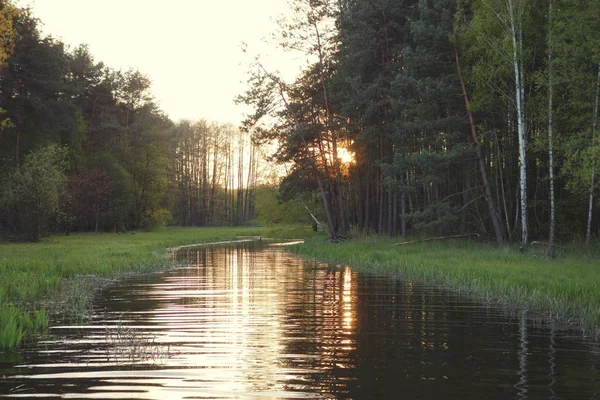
(248, 322)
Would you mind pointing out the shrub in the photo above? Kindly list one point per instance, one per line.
(156, 219)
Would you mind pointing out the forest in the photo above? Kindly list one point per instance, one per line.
(84, 147)
(454, 116)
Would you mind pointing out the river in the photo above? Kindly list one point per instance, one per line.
(250, 320)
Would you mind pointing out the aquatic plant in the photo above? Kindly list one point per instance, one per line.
(127, 345)
(11, 333)
(18, 325)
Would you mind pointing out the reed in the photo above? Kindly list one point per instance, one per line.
(564, 288)
(17, 325)
(11, 333)
(125, 345)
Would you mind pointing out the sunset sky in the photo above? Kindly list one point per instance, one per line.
(190, 49)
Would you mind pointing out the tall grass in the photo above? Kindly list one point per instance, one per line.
(63, 271)
(566, 288)
(17, 325)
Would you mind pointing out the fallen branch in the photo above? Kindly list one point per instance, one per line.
(472, 201)
(319, 224)
(547, 244)
(438, 238)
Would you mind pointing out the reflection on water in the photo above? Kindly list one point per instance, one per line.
(251, 320)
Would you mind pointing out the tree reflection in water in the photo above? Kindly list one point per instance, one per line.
(247, 320)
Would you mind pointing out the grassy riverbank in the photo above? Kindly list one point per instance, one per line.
(566, 288)
(58, 275)
(56, 278)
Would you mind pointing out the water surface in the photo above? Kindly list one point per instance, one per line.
(252, 321)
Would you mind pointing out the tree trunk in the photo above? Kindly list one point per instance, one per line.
(403, 211)
(395, 215)
(380, 208)
(336, 161)
(240, 182)
(204, 176)
(515, 31)
(213, 185)
(497, 225)
(503, 191)
(250, 183)
(459, 236)
(390, 213)
(360, 204)
(588, 233)
(367, 224)
(550, 138)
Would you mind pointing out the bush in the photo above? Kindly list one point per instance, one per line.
(35, 191)
(156, 219)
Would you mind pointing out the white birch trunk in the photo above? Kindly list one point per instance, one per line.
(520, 100)
(550, 138)
(588, 233)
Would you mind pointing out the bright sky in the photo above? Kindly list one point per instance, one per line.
(190, 49)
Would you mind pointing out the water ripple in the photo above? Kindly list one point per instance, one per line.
(252, 321)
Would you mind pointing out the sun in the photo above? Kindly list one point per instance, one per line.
(345, 156)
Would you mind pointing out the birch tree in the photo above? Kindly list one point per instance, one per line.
(515, 14)
(550, 132)
(495, 33)
(588, 231)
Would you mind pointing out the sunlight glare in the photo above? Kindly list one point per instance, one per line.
(345, 156)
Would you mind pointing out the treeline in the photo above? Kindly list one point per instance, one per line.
(216, 172)
(469, 115)
(84, 147)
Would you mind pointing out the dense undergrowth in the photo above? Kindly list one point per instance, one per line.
(564, 288)
(57, 277)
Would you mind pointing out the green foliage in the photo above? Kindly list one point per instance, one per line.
(36, 93)
(435, 219)
(5, 122)
(157, 219)
(120, 204)
(578, 167)
(148, 157)
(35, 191)
(107, 120)
(381, 82)
(11, 333)
(18, 325)
(273, 209)
(89, 193)
(576, 63)
(7, 33)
